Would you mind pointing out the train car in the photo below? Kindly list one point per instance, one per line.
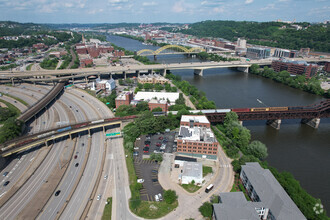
(195, 111)
(98, 121)
(278, 108)
(222, 110)
(295, 108)
(80, 125)
(64, 129)
(259, 109)
(240, 110)
(208, 111)
(45, 134)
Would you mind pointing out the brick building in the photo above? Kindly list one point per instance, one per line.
(327, 67)
(295, 67)
(154, 103)
(196, 137)
(153, 79)
(85, 62)
(124, 98)
(118, 53)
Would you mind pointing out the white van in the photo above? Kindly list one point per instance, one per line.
(157, 198)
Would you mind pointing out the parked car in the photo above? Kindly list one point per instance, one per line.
(57, 192)
(154, 171)
(147, 142)
(154, 180)
(147, 145)
(158, 144)
(146, 150)
(136, 148)
(157, 152)
(160, 196)
(140, 180)
(160, 138)
(5, 173)
(135, 153)
(156, 198)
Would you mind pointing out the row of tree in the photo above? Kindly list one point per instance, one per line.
(312, 85)
(197, 97)
(157, 87)
(49, 64)
(214, 57)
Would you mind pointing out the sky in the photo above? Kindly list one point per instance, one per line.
(173, 11)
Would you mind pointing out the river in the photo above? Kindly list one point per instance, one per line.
(297, 148)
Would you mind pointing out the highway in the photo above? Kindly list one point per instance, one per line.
(81, 195)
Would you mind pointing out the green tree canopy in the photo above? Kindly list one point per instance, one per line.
(257, 149)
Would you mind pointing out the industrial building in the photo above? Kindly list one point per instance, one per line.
(152, 79)
(196, 139)
(147, 96)
(257, 53)
(124, 98)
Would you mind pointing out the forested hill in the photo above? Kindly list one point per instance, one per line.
(10, 28)
(275, 34)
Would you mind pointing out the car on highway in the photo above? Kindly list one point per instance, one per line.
(76, 165)
(83, 144)
(106, 177)
(146, 150)
(98, 196)
(5, 174)
(75, 156)
(6, 183)
(57, 192)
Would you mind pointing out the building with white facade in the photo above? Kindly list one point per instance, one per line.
(104, 84)
(192, 171)
(147, 96)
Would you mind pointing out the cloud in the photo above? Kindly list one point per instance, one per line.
(149, 3)
(211, 3)
(269, 6)
(248, 1)
(178, 7)
(218, 10)
(117, 1)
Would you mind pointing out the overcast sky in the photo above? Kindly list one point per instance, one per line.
(144, 11)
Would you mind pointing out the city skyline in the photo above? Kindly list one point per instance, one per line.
(142, 11)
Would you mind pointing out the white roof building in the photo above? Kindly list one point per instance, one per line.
(191, 171)
(147, 96)
(195, 118)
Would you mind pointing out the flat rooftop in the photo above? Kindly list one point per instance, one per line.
(195, 118)
(196, 134)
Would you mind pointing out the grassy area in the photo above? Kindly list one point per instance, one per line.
(207, 170)
(12, 107)
(107, 210)
(190, 187)
(238, 187)
(18, 99)
(153, 210)
(28, 68)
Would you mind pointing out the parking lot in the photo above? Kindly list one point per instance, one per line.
(147, 169)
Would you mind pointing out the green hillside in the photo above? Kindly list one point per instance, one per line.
(275, 34)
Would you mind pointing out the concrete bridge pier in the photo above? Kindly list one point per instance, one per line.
(86, 80)
(243, 69)
(314, 122)
(137, 73)
(275, 123)
(155, 57)
(198, 72)
(12, 82)
(124, 75)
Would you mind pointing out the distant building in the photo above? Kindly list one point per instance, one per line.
(147, 96)
(152, 78)
(191, 171)
(296, 67)
(241, 43)
(124, 98)
(257, 53)
(304, 52)
(39, 46)
(154, 103)
(179, 160)
(104, 84)
(196, 138)
(327, 67)
(281, 53)
(86, 62)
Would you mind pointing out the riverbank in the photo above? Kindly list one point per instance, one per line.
(256, 152)
(312, 85)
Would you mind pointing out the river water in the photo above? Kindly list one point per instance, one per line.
(297, 148)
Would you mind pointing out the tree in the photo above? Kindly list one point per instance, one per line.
(142, 106)
(158, 109)
(230, 117)
(148, 86)
(170, 196)
(158, 157)
(180, 100)
(206, 209)
(257, 149)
